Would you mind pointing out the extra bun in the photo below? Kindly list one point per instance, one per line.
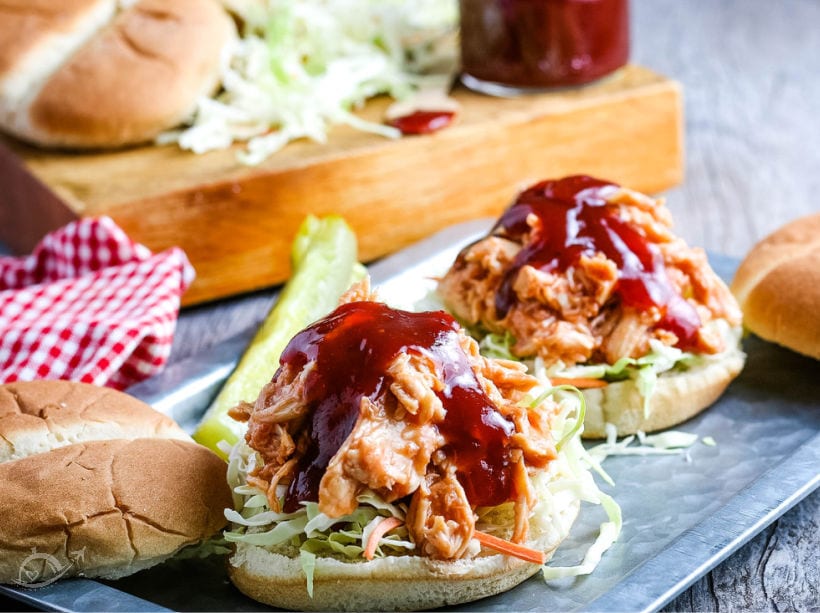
(37, 416)
(678, 396)
(396, 583)
(78, 74)
(778, 286)
(109, 508)
(95, 482)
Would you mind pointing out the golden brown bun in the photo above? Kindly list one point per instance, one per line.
(678, 396)
(391, 583)
(37, 416)
(109, 508)
(778, 286)
(36, 37)
(29, 25)
(124, 83)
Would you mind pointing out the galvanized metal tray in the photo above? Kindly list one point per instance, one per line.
(683, 514)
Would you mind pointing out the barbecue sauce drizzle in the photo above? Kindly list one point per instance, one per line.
(573, 219)
(352, 348)
(422, 122)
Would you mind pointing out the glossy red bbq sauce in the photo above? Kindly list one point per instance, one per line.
(574, 220)
(352, 348)
(422, 122)
(543, 43)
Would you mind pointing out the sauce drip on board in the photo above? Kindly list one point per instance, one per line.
(573, 219)
(422, 122)
(352, 348)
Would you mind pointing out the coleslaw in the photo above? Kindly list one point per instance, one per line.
(308, 533)
(301, 66)
(644, 371)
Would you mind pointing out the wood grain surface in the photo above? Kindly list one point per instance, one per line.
(236, 222)
(751, 76)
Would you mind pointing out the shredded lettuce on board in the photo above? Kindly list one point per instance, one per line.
(300, 66)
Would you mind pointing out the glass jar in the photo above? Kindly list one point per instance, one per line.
(516, 46)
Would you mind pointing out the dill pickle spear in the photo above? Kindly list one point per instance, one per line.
(323, 260)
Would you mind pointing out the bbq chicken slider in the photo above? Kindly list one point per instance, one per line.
(388, 465)
(586, 279)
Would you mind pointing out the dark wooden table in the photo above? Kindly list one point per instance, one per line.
(751, 76)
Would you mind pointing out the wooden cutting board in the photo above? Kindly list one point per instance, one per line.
(236, 222)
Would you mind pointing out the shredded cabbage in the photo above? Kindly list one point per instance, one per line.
(607, 535)
(664, 443)
(577, 423)
(311, 533)
(215, 546)
(644, 371)
(308, 529)
(300, 66)
(575, 481)
(307, 560)
(497, 346)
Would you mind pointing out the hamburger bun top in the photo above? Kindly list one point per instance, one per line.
(90, 77)
(37, 416)
(109, 508)
(100, 481)
(778, 286)
(37, 35)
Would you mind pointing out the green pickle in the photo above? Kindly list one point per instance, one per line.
(324, 264)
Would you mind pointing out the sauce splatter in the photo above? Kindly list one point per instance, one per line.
(422, 122)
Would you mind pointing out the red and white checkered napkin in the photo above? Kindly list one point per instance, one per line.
(90, 305)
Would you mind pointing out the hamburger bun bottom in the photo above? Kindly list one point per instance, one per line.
(391, 583)
(678, 397)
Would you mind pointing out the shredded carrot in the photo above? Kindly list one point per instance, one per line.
(511, 549)
(383, 527)
(579, 382)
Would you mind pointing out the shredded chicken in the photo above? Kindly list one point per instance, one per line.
(440, 518)
(415, 385)
(382, 453)
(359, 291)
(395, 448)
(628, 335)
(524, 502)
(574, 316)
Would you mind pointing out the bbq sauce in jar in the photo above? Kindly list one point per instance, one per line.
(515, 46)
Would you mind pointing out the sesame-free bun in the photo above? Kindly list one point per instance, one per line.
(99, 481)
(778, 286)
(83, 74)
(109, 508)
(678, 396)
(397, 583)
(38, 416)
